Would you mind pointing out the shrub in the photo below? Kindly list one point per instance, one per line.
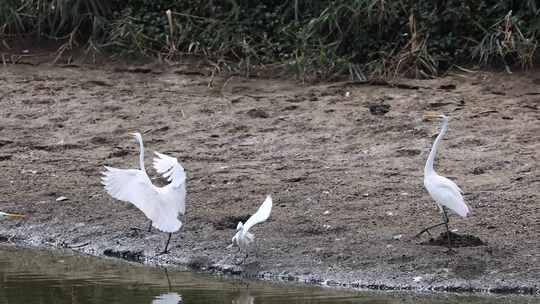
(320, 39)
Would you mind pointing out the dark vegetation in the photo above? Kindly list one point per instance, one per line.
(320, 39)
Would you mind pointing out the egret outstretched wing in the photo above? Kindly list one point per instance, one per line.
(170, 169)
(262, 214)
(131, 185)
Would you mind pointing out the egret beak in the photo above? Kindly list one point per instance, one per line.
(10, 216)
(432, 115)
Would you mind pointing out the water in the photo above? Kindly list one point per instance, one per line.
(34, 276)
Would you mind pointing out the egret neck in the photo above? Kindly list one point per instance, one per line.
(428, 169)
(141, 147)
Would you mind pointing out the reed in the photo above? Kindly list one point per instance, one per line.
(315, 39)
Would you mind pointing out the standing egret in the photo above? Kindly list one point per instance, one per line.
(161, 205)
(444, 191)
(243, 238)
(10, 216)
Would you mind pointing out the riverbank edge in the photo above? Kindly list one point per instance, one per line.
(331, 280)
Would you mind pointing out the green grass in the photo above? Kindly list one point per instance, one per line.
(316, 39)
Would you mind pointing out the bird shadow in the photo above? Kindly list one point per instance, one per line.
(457, 240)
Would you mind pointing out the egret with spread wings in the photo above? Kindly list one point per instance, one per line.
(243, 238)
(444, 191)
(161, 205)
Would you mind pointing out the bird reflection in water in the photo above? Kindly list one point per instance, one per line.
(243, 297)
(169, 298)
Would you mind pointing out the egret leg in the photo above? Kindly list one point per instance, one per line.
(256, 249)
(166, 245)
(150, 227)
(445, 216)
(245, 257)
(240, 262)
(429, 228)
(445, 222)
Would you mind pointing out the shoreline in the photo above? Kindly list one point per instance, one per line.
(335, 280)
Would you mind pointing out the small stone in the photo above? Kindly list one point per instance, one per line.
(61, 198)
(417, 279)
(326, 212)
(397, 237)
(257, 113)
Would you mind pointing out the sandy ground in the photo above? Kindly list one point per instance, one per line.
(346, 178)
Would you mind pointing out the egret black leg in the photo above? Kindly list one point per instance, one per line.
(445, 217)
(429, 228)
(238, 261)
(445, 222)
(167, 245)
(150, 227)
(245, 257)
(256, 251)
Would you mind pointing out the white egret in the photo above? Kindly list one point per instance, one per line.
(161, 205)
(444, 191)
(243, 238)
(10, 216)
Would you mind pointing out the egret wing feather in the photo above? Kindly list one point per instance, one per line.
(131, 185)
(449, 183)
(447, 193)
(262, 214)
(170, 169)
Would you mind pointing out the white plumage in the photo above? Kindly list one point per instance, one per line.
(444, 191)
(161, 205)
(243, 238)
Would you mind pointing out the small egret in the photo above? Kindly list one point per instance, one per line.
(161, 205)
(444, 191)
(10, 216)
(243, 238)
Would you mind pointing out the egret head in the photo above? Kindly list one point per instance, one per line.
(239, 227)
(137, 135)
(10, 216)
(434, 115)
